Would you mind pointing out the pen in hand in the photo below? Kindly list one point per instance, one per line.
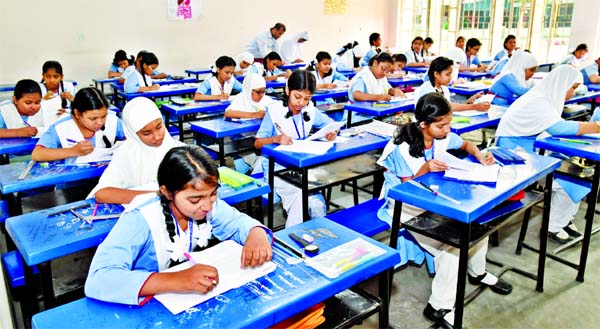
(193, 262)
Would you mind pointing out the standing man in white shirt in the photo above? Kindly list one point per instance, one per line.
(265, 42)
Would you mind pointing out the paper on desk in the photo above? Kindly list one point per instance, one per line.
(399, 99)
(168, 87)
(306, 146)
(467, 171)
(470, 85)
(468, 113)
(231, 275)
(332, 126)
(496, 111)
(378, 128)
(485, 98)
(97, 155)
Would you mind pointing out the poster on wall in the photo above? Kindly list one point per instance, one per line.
(335, 7)
(183, 10)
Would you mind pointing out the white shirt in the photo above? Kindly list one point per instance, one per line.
(262, 44)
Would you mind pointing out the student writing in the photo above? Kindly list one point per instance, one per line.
(512, 81)
(577, 56)
(221, 84)
(251, 102)
(20, 116)
(140, 80)
(120, 63)
(327, 77)
(370, 84)
(591, 73)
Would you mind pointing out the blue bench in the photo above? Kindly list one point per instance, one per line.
(15, 271)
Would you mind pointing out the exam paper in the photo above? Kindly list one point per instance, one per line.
(50, 109)
(378, 128)
(306, 146)
(468, 113)
(231, 275)
(467, 171)
(332, 126)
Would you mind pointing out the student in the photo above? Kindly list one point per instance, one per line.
(291, 49)
(539, 112)
(135, 162)
(251, 103)
(577, 56)
(512, 81)
(132, 68)
(415, 54)
(284, 124)
(412, 153)
(375, 43)
(21, 117)
(53, 85)
(347, 58)
(370, 84)
(591, 73)
(399, 61)
(244, 61)
(140, 80)
(327, 78)
(220, 85)
(156, 231)
(427, 43)
(439, 76)
(460, 43)
(120, 63)
(269, 68)
(89, 126)
(472, 63)
(510, 45)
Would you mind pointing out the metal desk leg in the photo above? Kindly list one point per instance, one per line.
(349, 122)
(461, 282)
(29, 303)
(47, 285)
(305, 196)
(271, 179)
(589, 220)
(180, 126)
(544, 233)
(395, 224)
(222, 151)
(385, 288)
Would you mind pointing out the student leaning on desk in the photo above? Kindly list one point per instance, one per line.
(538, 113)
(221, 84)
(119, 64)
(512, 80)
(251, 103)
(22, 117)
(140, 79)
(158, 231)
(370, 84)
(412, 153)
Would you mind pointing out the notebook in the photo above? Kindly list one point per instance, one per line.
(231, 275)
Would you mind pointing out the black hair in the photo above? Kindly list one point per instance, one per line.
(300, 80)
(347, 47)
(88, 99)
(428, 40)
(411, 47)
(428, 110)
(415, 39)
(399, 58)
(460, 37)
(183, 166)
(581, 46)
(507, 39)
(321, 56)
(373, 37)
(222, 62)
(59, 69)
(279, 26)
(272, 56)
(381, 58)
(471, 43)
(438, 65)
(148, 59)
(121, 55)
(26, 86)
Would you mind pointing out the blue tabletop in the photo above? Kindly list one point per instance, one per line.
(44, 176)
(593, 86)
(163, 82)
(476, 122)
(476, 199)
(582, 98)
(322, 94)
(587, 151)
(379, 110)
(257, 304)
(405, 81)
(356, 145)
(276, 84)
(17, 145)
(181, 90)
(468, 91)
(11, 86)
(220, 127)
(348, 74)
(198, 71)
(416, 69)
(195, 107)
(106, 80)
(474, 75)
(292, 66)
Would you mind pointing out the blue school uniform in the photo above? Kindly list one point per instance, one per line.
(501, 54)
(473, 60)
(135, 80)
(116, 68)
(358, 84)
(205, 86)
(364, 61)
(588, 71)
(499, 66)
(334, 76)
(130, 253)
(506, 89)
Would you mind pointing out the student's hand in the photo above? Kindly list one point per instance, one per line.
(383, 97)
(49, 95)
(258, 114)
(298, 60)
(330, 136)
(198, 278)
(60, 112)
(396, 92)
(154, 87)
(436, 165)
(284, 140)
(224, 96)
(487, 159)
(329, 85)
(83, 148)
(483, 107)
(257, 248)
(288, 73)
(482, 67)
(66, 95)
(27, 131)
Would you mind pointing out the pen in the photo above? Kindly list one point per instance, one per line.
(95, 210)
(233, 120)
(575, 141)
(72, 141)
(26, 123)
(427, 188)
(278, 127)
(193, 262)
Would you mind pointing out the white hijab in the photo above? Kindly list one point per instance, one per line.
(374, 85)
(291, 49)
(516, 65)
(134, 163)
(244, 102)
(542, 106)
(244, 57)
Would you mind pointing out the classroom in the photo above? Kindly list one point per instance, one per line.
(361, 163)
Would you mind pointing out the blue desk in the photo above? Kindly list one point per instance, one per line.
(5, 87)
(302, 162)
(468, 91)
(348, 74)
(395, 82)
(258, 304)
(591, 153)
(15, 145)
(292, 66)
(179, 91)
(593, 87)
(275, 84)
(476, 201)
(162, 82)
(193, 108)
(475, 123)
(381, 110)
(100, 82)
(589, 96)
(545, 65)
(474, 75)
(220, 128)
(197, 72)
(323, 94)
(416, 69)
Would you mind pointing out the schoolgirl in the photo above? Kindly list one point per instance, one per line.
(221, 84)
(120, 63)
(577, 56)
(53, 84)
(512, 81)
(370, 84)
(375, 43)
(472, 62)
(140, 80)
(327, 77)
(251, 102)
(21, 116)
(415, 54)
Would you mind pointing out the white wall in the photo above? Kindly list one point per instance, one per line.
(585, 26)
(83, 35)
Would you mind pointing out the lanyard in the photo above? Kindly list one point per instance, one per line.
(432, 152)
(468, 60)
(415, 54)
(190, 229)
(296, 127)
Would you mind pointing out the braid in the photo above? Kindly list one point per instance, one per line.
(411, 134)
(64, 101)
(164, 202)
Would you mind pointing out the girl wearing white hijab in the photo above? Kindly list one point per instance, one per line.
(135, 163)
(291, 49)
(250, 103)
(244, 61)
(512, 80)
(538, 114)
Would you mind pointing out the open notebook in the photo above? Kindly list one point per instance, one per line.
(231, 275)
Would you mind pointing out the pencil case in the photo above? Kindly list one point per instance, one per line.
(506, 156)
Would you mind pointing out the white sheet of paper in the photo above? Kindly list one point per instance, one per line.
(468, 171)
(50, 110)
(470, 85)
(231, 275)
(468, 113)
(332, 126)
(306, 146)
(485, 98)
(40, 131)
(97, 155)
(496, 111)
(168, 87)
(378, 128)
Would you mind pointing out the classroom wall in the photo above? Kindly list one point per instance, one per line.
(585, 26)
(83, 35)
